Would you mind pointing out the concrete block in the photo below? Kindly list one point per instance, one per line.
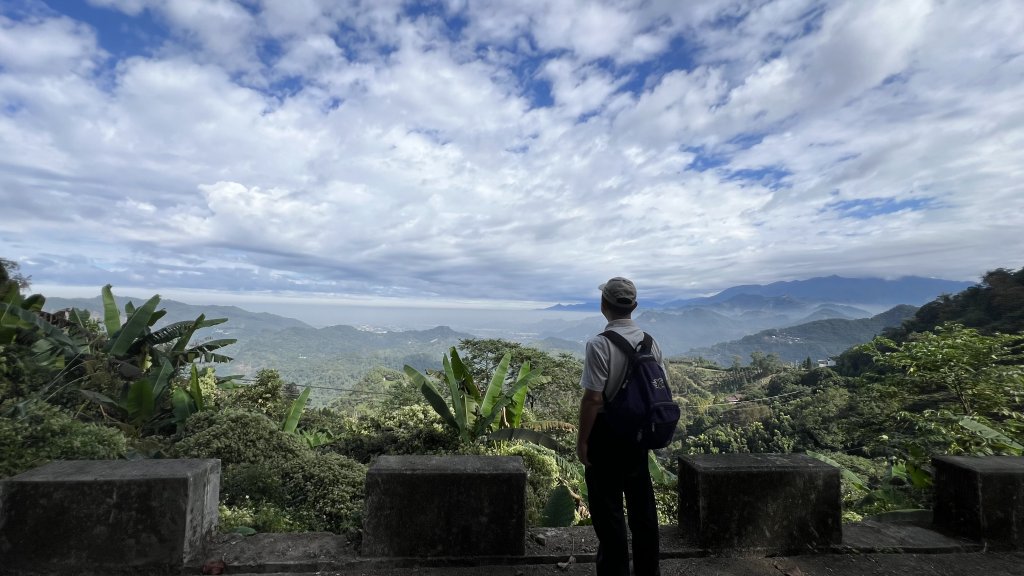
(780, 503)
(981, 497)
(445, 506)
(103, 516)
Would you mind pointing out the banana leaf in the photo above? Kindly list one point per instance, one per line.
(195, 391)
(182, 405)
(291, 420)
(458, 400)
(990, 434)
(111, 315)
(432, 395)
(852, 478)
(494, 388)
(134, 328)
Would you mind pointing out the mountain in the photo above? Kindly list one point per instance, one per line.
(337, 357)
(240, 321)
(819, 339)
(858, 291)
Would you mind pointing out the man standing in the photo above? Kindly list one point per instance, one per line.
(615, 467)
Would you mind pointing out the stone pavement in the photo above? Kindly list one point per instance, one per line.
(870, 547)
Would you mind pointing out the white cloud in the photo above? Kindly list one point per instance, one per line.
(372, 152)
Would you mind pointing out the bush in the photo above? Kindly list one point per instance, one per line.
(237, 437)
(325, 492)
(412, 429)
(261, 518)
(41, 432)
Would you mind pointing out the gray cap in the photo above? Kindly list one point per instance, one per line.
(619, 292)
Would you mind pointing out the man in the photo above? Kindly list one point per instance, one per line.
(614, 467)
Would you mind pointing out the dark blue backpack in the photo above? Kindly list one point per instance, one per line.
(642, 412)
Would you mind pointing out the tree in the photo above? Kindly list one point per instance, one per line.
(963, 391)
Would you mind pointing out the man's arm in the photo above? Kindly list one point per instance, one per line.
(590, 404)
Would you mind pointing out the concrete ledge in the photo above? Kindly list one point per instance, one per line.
(772, 503)
(981, 497)
(445, 506)
(108, 517)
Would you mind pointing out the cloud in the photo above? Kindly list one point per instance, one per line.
(523, 151)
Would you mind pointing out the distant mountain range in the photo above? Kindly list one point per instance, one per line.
(819, 317)
(817, 340)
(871, 292)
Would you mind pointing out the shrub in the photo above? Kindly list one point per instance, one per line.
(412, 429)
(262, 518)
(237, 437)
(41, 432)
(325, 492)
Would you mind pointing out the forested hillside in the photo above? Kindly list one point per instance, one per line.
(817, 340)
(950, 379)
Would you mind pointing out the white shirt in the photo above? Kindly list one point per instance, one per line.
(605, 365)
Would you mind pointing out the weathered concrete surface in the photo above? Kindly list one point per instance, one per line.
(780, 503)
(103, 517)
(445, 506)
(981, 497)
(875, 548)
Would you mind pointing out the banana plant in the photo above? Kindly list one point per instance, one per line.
(472, 414)
(291, 418)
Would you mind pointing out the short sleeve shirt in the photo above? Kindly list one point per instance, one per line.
(604, 366)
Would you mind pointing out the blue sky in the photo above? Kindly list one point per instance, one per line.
(497, 152)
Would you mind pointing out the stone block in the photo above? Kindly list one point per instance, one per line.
(445, 506)
(981, 497)
(780, 503)
(104, 516)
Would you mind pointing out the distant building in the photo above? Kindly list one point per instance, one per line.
(827, 363)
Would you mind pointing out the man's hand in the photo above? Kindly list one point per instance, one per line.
(581, 453)
(590, 404)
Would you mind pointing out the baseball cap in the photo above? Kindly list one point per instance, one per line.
(619, 292)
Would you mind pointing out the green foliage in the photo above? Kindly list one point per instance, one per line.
(407, 430)
(236, 436)
(34, 432)
(471, 414)
(291, 418)
(265, 395)
(325, 492)
(960, 391)
(249, 518)
(994, 305)
(556, 398)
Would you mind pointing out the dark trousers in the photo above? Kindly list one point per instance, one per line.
(618, 470)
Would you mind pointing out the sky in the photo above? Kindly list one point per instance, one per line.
(505, 153)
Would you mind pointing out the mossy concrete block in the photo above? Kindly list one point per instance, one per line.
(445, 506)
(981, 497)
(103, 516)
(779, 503)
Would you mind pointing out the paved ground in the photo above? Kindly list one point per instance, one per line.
(868, 548)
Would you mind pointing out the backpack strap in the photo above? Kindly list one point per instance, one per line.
(622, 344)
